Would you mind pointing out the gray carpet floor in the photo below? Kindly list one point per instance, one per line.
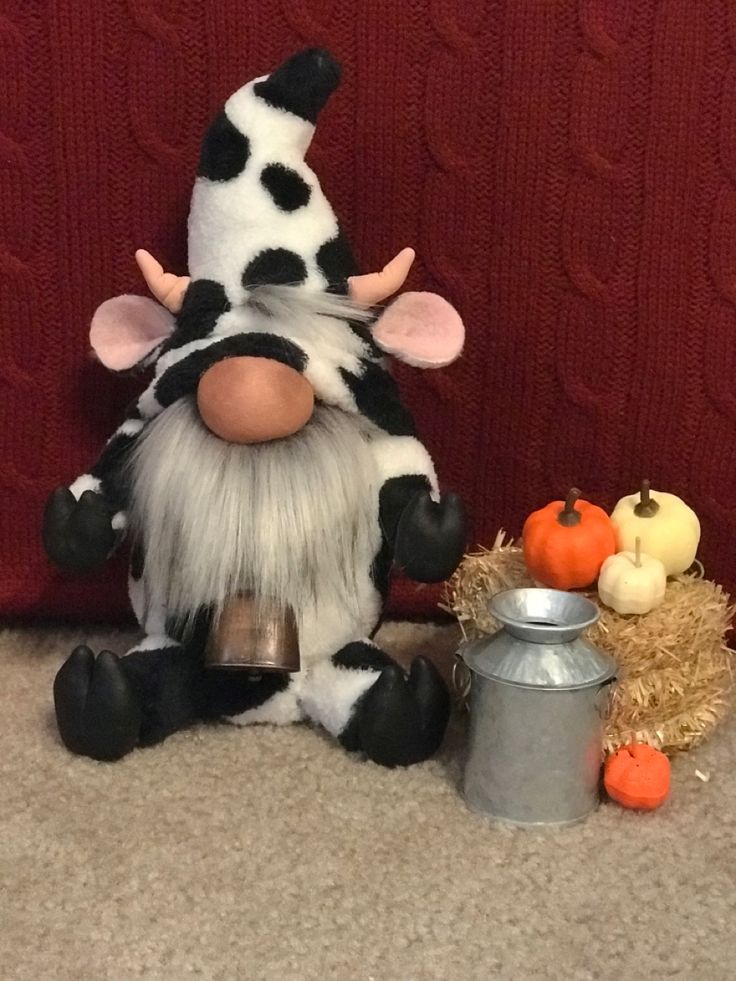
(270, 853)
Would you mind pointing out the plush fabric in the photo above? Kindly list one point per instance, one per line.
(266, 459)
(566, 172)
(126, 329)
(422, 329)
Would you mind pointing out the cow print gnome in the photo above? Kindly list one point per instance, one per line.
(270, 457)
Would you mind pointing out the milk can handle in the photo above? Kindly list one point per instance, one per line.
(461, 681)
(604, 697)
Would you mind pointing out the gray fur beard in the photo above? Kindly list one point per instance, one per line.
(287, 520)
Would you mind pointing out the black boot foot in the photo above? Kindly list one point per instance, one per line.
(97, 711)
(401, 720)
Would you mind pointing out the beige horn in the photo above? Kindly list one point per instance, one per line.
(375, 287)
(167, 288)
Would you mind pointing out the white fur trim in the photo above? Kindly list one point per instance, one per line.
(154, 642)
(148, 405)
(119, 521)
(137, 597)
(149, 611)
(400, 456)
(131, 427)
(285, 133)
(281, 709)
(327, 626)
(330, 694)
(85, 482)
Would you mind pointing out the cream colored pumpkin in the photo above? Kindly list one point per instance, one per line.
(632, 582)
(669, 530)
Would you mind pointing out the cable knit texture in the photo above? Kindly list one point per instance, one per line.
(566, 171)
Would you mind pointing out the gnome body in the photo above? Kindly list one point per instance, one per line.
(270, 456)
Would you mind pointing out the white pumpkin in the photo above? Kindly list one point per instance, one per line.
(669, 530)
(632, 582)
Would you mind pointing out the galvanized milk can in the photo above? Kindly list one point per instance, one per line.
(539, 695)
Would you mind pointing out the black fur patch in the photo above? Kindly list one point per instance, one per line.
(137, 561)
(288, 190)
(280, 267)
(381, 573)
(377, 398)
(361, 656)
(169, 686)
(225, 150)
(227, 692)
(363, 331)
(302, 85)
(204, 302)
(183, 377)
(191, 631)
(110, 469)
(336, 262)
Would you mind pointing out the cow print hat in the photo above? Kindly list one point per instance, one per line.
(258, 218)
(258, 214)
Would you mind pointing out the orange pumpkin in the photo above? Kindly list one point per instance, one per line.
(637, 776)
(566, 543)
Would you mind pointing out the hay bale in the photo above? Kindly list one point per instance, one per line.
(675, 667)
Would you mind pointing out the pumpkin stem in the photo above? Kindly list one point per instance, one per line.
(647, 506)
(568, 516)
(637, 552)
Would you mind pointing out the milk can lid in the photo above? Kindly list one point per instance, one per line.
(540, 645)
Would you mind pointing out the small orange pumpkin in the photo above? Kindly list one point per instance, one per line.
(566, 543)
(637, 776)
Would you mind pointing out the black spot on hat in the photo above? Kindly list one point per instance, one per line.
(302, 84)
(336, 262)
(275, 267)
(288, 190)
(225, 151)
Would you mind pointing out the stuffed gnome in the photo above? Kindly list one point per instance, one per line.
(270, 457)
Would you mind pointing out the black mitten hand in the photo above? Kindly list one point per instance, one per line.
(78, 534)
(430, 537)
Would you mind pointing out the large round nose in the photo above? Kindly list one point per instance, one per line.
(251, 400)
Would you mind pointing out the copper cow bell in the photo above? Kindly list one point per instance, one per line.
(254, 635)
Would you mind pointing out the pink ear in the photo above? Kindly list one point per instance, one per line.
(125, 329)
(421, 329)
